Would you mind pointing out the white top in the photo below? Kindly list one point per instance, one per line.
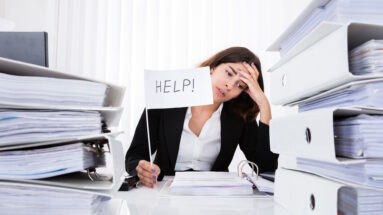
(200, 153)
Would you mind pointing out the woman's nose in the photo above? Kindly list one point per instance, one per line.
(229, 85)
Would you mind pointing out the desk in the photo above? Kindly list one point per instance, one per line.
(155, 201)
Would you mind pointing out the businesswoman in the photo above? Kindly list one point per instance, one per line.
(204, 138)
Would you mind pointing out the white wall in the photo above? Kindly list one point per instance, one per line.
(33, 15)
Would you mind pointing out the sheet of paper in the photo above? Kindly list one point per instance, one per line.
(178, 88)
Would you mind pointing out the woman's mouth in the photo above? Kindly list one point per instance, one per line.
(220, 92)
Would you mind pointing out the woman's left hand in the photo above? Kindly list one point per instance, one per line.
(250, 77)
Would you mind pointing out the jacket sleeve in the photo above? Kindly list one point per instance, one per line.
(255, 144)
(139, 149)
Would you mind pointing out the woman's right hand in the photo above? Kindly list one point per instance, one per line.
(148, 174)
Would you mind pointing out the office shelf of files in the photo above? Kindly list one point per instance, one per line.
(58, 148)
(331, 69)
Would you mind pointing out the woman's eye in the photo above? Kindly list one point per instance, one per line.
(228, 73)
(240, 86)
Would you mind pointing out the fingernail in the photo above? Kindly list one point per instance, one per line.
(153, 170)
(244, 62)
(154, 179)
(240, 74)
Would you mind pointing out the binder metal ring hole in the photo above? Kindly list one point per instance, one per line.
(308, 135)
(312, 202)
(284, 80)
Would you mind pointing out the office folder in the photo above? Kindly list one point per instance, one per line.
(366, 93)
(22, 198)
(18, 126)
(100, 179)
(34, 90)
(320, 62)
(113, 97)
(304, 193)
(318, 11)
(50, 161)
(311, 135)
(367, 173)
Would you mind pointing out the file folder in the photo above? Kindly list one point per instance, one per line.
(325, 55)
(23, 198)
(304, 193)
(97, 179)
(114, 93)
(340, 11)
(310, 134)
(364, 93)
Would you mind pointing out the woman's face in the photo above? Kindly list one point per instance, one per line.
(226, 82)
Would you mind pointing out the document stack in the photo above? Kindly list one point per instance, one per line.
(333, 72)
(58, 147)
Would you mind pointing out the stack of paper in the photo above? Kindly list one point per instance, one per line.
(359, 136)
(49, 161)
(359, 201)
(367, 58)
(24, 199)
(340, 11)
(369, 173)
(18, 126)
(210, 184)
(357, 94)
(44, 91)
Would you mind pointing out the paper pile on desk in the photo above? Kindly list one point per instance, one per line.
(210, 184)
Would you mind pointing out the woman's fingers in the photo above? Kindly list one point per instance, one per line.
(252, 70)
(148, 174)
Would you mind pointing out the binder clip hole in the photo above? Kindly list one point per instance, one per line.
(312, 202)
(308, 135)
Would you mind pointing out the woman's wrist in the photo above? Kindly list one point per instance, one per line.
(265, 112)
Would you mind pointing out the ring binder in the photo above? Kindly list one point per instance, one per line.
(241, 165)
(244, 175)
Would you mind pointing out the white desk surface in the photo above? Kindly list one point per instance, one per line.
(148, 201)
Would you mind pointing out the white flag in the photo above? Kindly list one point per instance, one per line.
(178, 88)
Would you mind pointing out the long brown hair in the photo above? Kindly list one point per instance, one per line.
(242, 104)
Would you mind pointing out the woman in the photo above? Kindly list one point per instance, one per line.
(204, 138)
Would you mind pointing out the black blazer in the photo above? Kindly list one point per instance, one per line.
(166, 127)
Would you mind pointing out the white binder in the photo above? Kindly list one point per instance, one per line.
(311, 134)
(319, 61)
(98, 180)
(111, 113)
(304, 193)
(114, 94)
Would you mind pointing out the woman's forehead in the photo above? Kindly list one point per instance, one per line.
(237, 66)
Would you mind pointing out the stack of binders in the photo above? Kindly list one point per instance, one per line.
(58, 147)
(333, 72)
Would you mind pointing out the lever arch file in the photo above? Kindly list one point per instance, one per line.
(322, 69)
(318, 11)
(311, 135)
(113, 97)
(304, 193)
(93, 178)
(22, 198)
